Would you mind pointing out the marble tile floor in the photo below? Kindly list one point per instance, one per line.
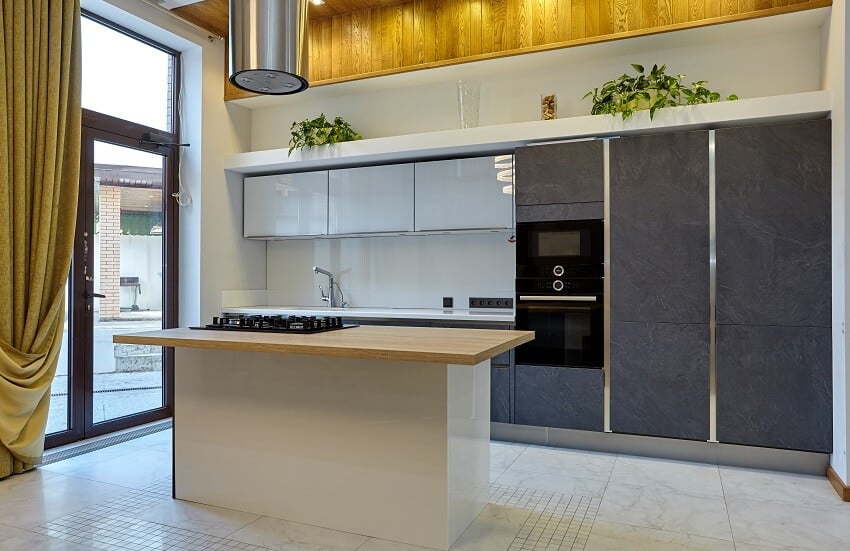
(541, 499)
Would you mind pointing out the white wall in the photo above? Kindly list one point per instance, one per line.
(399, 271)
(757, 58)
(835, 79)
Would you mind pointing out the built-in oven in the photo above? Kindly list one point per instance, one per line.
(568, 325)
(559, 290)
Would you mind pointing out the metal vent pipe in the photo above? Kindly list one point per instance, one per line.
(269, 45)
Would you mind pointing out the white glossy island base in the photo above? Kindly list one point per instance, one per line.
(379, 446)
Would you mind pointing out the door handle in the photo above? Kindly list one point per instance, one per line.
(94, 295)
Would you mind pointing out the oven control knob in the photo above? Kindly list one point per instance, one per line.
(558, 270)
(558, 285)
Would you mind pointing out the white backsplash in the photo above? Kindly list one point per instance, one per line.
(394, 271)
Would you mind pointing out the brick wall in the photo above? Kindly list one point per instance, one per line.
(109, 227)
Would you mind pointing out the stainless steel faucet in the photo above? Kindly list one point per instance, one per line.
(330, 296)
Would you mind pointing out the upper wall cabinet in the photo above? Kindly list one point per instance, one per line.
(371, 199)
(285, 205)
(561, 181)
(464, 194)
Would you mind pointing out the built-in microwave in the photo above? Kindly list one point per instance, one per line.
(567, 249)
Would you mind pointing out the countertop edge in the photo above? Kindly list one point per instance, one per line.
(324, 350)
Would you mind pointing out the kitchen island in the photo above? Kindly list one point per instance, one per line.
(380, 431)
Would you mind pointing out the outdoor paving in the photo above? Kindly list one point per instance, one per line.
(116, 394)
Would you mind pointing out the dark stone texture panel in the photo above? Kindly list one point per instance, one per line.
(571, 172)
(561, 397)
(774, 386)
(660, 379)
(773, 225)
(500, 394)
(660, 228)
(557, 212)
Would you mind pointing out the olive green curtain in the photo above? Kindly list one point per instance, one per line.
(39, 179)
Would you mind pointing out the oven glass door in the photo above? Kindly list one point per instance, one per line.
(567, 334)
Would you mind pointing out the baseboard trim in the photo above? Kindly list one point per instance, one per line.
(714, 453)
(839, 485)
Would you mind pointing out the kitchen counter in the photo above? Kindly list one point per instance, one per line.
(482, 315)
(415, 344)
(376, 430)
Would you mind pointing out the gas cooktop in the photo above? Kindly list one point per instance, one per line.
(276, 324)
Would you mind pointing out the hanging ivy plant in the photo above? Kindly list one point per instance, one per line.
(627, 94)
(320, 131)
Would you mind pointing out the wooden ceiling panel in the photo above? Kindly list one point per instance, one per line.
(212, 15)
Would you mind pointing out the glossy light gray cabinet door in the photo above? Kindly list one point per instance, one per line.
(464, 194)
(371, 199)
(284, 205)
(559, 397)
(659, 228)
(774, 386)
(660, 379)
(571, 172)
(773, 225)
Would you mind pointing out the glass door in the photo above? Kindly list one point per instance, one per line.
(127, 278)
(122, 281)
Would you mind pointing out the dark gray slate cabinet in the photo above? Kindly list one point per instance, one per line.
(567, 398)
(774, 349)
(659, 228)
(773, 225)
(660, 379)
(660, 285)
(500, 394)
(774, 386)
(563, 181)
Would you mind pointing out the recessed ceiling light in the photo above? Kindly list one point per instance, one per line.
(317, 2)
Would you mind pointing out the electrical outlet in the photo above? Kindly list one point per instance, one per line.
(488, 302)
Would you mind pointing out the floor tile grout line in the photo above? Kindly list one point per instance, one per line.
(726, 505)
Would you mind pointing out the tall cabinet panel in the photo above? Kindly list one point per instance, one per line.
(774, 374)
(562, 181)
(371, 199)
(284, 205)
(773, 225)
(464, 194)
(659, 272)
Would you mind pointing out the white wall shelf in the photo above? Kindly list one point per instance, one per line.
(487, 140)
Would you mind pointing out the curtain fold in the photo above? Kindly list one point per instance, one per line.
(39, 180)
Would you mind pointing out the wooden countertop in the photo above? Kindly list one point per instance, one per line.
(416, 344)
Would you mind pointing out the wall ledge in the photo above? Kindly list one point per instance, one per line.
(488, 140)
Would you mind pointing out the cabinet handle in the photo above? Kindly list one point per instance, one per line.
(558, 298)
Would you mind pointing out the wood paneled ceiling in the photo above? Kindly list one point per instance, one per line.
(212, 14)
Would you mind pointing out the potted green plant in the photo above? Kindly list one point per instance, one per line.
(653, 91)
(320, 131)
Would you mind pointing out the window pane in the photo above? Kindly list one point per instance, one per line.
(128, 271)
(126, 78)
(58, 419)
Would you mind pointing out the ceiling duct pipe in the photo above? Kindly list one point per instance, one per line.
(268, 46)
